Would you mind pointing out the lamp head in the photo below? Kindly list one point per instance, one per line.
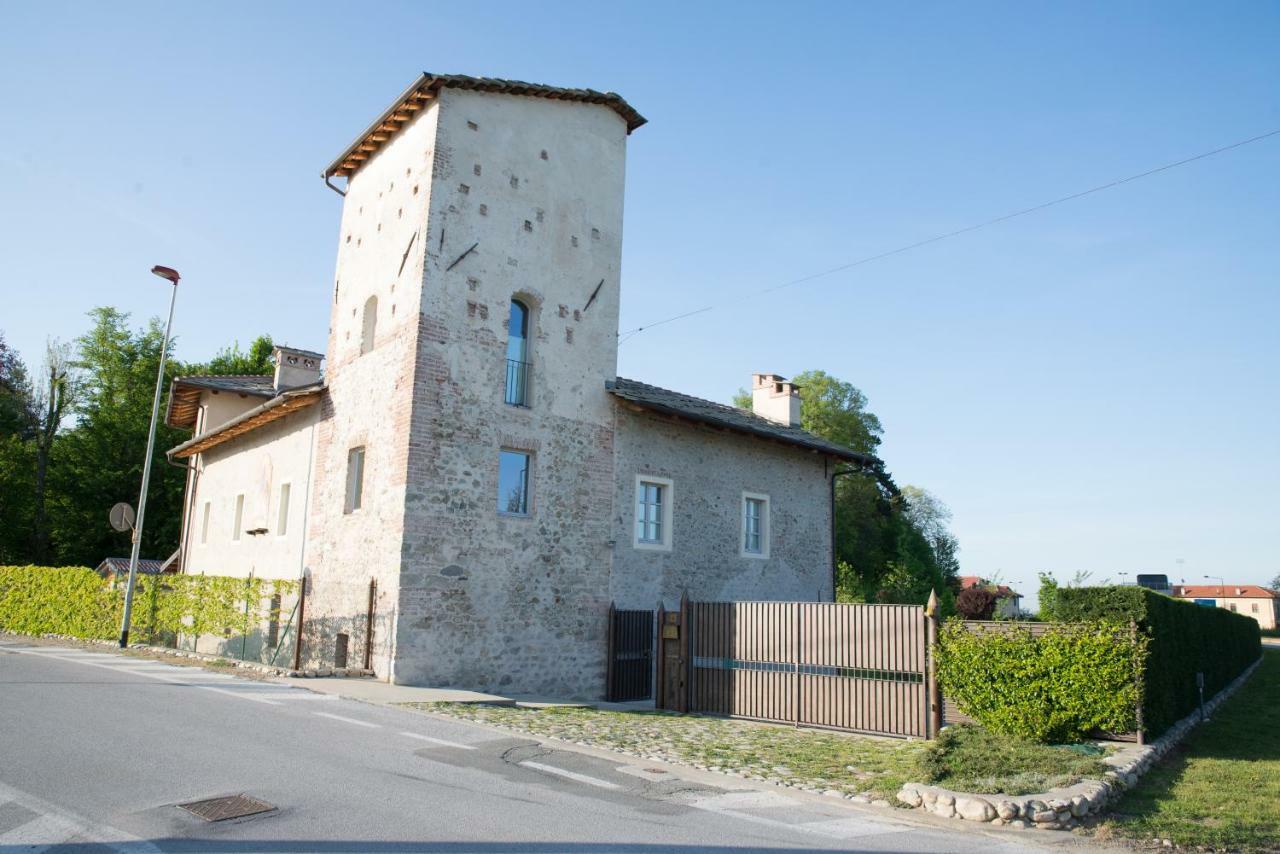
(166, 273)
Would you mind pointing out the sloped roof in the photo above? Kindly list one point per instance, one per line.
(727, 417)
(423, 89)
(290, 400)
(1002, 590)
(1223, 591)
(184, 393)
(120, 566)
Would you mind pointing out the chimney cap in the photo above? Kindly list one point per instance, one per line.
(296, 351)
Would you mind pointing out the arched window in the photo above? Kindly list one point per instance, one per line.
(518, 354)
(369, 324)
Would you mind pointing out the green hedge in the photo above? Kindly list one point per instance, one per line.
(1185, 638)
(76, 601)
(1053, 688)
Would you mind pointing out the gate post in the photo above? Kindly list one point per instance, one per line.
(686, 660)
(659, 666)
(933, 695)
(610, 651)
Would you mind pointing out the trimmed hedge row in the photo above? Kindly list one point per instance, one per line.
(76, 601)
(1053, 687)
(1184, 639)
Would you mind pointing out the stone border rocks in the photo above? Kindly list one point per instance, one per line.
(1064, 808)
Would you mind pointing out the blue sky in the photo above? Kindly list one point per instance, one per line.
(1093, 387)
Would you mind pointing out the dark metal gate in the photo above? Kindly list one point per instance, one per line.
(630, 674)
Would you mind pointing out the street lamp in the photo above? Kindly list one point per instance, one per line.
(171, 276)
(1221, 583)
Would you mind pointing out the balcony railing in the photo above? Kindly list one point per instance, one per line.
(518, 375)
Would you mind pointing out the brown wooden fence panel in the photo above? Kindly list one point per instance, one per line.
(850, 667)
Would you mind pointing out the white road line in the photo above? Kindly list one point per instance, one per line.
(439, 741)
(571, 775)
(154, 675)
(733, 803)
(55, 825)
(43, 831)
(304, 696)
(348, 720)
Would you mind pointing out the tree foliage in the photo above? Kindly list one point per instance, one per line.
(892, 545)
(72, 441)
(976, 603)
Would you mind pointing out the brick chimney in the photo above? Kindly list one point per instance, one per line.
(774, 398)
(295, 367)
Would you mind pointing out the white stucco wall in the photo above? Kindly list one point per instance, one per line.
(254, 465)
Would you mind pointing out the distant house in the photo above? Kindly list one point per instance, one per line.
(1008, 600)
(1248, 599)
(118, 567)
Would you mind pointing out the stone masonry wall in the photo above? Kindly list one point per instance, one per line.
(710, 469)
(527, 201)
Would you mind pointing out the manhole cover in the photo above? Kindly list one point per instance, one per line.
(221, 809)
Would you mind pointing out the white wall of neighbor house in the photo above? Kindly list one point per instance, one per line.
(1265, 611)
(219, 407)
(490, 600)
(711, 474)
(252, 468)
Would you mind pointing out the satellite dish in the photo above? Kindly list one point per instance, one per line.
(121, 517)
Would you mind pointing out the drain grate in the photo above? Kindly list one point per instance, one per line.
(221, 809)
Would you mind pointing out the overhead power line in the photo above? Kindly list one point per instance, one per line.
(631, 333)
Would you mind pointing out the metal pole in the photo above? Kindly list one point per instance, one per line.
(146, 476)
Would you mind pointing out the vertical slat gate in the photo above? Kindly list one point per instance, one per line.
(630, 665)
(860, 668)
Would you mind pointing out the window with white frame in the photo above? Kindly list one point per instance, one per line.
(513, 483)
(654, 502)
(355, 480)
(755, 525)
(239, 518)
(282, 512)
(204, 525)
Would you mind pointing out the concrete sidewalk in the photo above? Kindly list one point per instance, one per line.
(386, 694)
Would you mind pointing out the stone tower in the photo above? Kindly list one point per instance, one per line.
(465, 454)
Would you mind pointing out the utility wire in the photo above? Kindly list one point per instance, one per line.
(631, 333)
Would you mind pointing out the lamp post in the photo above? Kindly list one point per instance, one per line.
(171, 276)
(1221, 583)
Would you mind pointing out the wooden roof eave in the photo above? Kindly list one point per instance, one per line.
(273, 410)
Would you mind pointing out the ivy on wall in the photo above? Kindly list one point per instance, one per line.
(76, 601)
(1052, 688)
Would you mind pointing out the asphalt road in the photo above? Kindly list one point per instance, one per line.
(97, 750)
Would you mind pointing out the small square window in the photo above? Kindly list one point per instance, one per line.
(513, 483)
(653, 513)
(355, 479)
(755, 525)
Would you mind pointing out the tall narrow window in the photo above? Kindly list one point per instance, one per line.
(355, 479)
(239, 518)
(518, 354)
(282, 513)
(204, 525)
(368, 325)
(653, 513)
(755, 525)
(513, 483)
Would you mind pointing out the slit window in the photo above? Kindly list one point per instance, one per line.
(368, 324)
(204, 525)
(282, 512)
(355, 479)
(239, 518)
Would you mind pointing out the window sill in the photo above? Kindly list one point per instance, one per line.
(640, 545)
